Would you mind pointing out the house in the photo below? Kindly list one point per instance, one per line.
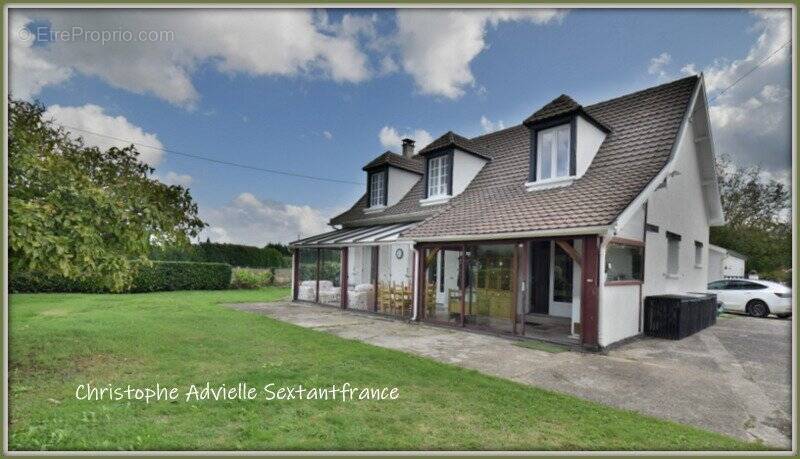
(556, 228)
(724, 263)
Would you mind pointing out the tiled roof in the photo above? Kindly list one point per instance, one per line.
(451, 139)
(643, 125)
(561, 105)
(413, 164)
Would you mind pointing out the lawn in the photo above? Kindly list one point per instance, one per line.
(59, 341)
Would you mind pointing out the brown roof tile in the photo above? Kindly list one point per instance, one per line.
(413, 164)
(451, 139)
(643, 126)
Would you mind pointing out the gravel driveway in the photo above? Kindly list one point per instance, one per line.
(733, 378)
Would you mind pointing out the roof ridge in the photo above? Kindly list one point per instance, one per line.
(651, 88)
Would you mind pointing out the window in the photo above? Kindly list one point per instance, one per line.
(562, 276)
(553, 151)
(744, 285)
(718, 285)
(377, 189)
(698, 253)
(673, 253)
(439, 176)
(624, 262)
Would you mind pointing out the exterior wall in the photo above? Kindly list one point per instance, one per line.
(679, 208)
(620, 314)
(634, 228)
(400, 182)
(394, 270)
(587, 141)
(716, 261)
(733, 266)
(465, 168)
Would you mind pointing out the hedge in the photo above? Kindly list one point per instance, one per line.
(234, 254)
(157, 276)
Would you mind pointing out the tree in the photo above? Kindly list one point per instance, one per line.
(77, 211)
(757, 213)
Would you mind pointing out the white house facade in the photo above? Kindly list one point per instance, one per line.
(556, 229)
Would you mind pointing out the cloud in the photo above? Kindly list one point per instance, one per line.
(392, 140)
(658, 63)
(93, 118)
(751, 121)
(258, 42)
(173, 178)
(437, 46)
(491, 126)
(250, 220)
(29, 72)
(327, 135)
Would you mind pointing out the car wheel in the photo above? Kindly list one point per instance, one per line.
(757, 308)
(784, 316)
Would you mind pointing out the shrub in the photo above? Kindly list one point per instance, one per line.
(233, 254)
(244, 278)
(149, 277)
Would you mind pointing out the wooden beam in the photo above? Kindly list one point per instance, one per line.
(589, 279)
(570, 250)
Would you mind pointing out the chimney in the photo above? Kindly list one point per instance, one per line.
(408, 148)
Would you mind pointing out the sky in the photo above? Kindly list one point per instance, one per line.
(322, 92)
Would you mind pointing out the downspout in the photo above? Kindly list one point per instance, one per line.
(415, 281)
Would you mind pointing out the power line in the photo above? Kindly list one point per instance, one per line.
(750, 71)
(212, 160)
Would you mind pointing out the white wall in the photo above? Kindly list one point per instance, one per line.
(619, 315)
(716, 260)
(634, 228)
(679, 208)
(400, 182)
(587, 141)
(465, 168)
(733, 266)
(392, 270)
(359, 265)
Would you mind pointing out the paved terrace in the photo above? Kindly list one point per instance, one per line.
(733, 378)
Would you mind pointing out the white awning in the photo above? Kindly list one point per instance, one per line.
(364, 235)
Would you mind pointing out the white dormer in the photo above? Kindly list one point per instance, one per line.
(451, 162)
(391, 176)
(564, 141)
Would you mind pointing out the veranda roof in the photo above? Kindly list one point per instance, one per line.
(363, 235)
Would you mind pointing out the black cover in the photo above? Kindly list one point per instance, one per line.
(678, 316)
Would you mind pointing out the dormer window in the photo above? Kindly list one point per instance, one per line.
(439, 175)
(553, 152)
(377, 189)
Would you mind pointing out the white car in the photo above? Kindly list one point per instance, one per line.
(758, 298)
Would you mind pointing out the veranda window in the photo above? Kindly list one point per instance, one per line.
(624, 262)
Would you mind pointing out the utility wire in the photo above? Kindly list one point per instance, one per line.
(750, 71)
(211, 160)
(348, 182)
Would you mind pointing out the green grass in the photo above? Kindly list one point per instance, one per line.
(542, 346)
(58, 341)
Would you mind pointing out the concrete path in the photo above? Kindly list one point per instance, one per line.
(733, 378)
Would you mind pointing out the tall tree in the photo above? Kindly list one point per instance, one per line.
(757, 216)
(78, 211)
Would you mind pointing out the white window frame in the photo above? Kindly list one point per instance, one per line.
(673, 256)
(439, 176)
(553, 153)
(380, 177)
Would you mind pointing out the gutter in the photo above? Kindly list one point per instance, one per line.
(526, 234)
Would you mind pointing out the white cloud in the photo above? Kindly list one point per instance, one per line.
(29, 72)
(390, 138)
(93, 118)
(437, 46)
(255, 221)
(751, 121)
(658, 63)
(327, 135)
(173, 178)
(257, 42)
(491, 126)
